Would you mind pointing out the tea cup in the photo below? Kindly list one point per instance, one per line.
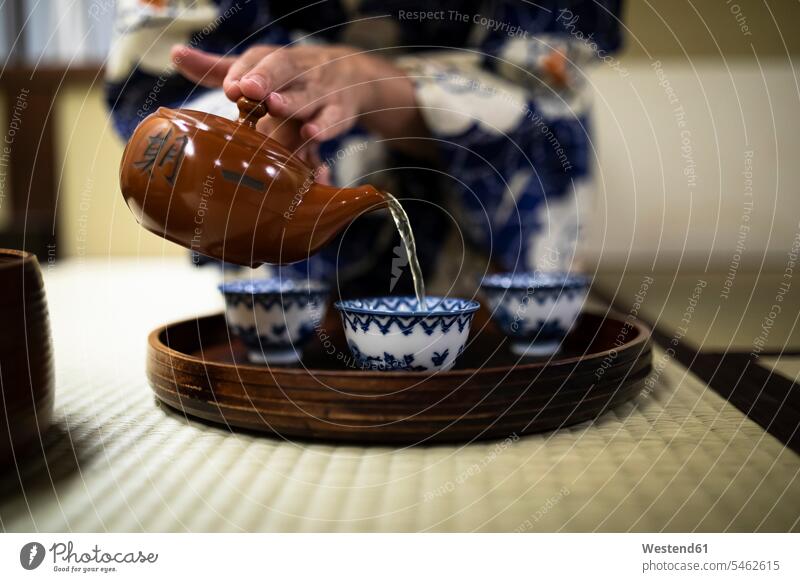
(536, 310)
(275, 317)
(394, 334)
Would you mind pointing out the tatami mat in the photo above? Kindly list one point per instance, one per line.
(678, 458)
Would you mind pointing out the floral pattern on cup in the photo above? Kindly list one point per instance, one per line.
(392, 333)
(535, 310)
(275, 318)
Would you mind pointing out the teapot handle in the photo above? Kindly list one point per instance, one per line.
(250, 111)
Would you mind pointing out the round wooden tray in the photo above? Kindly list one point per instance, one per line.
(195, 367)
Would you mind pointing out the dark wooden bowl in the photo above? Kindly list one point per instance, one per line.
(195, 366)
(26, 355)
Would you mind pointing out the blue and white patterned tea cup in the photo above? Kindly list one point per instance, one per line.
(274, 317)
(392, 333)
(535, 310)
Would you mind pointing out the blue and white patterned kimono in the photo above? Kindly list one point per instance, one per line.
(513, 146)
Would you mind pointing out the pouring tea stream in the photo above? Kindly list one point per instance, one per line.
(223, 189)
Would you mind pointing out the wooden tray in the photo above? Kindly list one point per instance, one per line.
(195, 367)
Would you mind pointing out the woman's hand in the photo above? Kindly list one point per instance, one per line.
(327, 88)
(287, 133)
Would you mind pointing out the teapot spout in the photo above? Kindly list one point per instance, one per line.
(316, 218)
(344, 204)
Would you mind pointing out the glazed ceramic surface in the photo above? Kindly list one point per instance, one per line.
(274, 318)
(222, 189)
(536, 310)
(392, 333)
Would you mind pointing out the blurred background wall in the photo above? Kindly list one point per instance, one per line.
(706, 123)
(697, 137)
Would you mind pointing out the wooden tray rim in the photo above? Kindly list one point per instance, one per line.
(641, 338)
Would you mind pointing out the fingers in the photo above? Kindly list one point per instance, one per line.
(269, 74)
(325, 120)
(285, 131)
(331, 121)
(292, 103)
(204, 68)
(244, 63)
(310, 153)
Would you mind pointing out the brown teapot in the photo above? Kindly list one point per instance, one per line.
(223, 189)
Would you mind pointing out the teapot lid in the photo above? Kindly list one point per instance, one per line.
(241, 132)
